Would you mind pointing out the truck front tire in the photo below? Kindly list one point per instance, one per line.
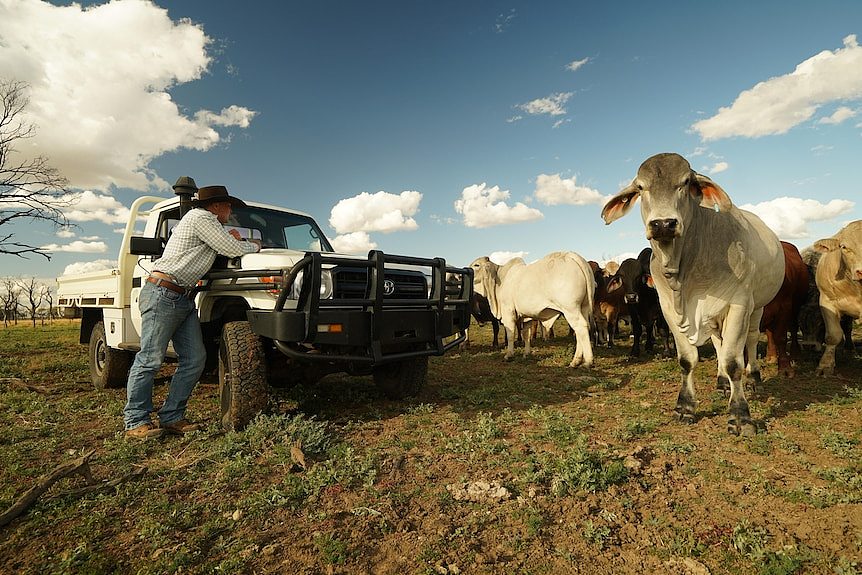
(401, 379)
(243, 388)
(109, 368)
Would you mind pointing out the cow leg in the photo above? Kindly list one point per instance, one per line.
(580, 323)
(785, 367)
(528, 337)
(752, 337)
(834, 334)
(687, 356)
(650, 337)
(495, 328)
(466, 343)
(847, 328)
(771, 349)
(738, 335)
(512, 326)
(637, 331)
(723, 380)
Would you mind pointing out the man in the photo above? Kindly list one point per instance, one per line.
(168, 313)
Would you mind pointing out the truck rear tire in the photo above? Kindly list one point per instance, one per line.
(109, 368)
(401, 379)
(243, 388)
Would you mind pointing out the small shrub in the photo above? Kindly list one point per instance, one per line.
(597, 535)
(333, 551)
(584, 470)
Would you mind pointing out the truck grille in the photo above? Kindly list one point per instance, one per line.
(353, 283)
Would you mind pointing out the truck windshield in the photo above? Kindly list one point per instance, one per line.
(277, 229)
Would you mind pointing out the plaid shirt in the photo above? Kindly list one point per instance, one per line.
(193, 246)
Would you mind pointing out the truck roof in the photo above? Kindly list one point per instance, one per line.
(168, 202)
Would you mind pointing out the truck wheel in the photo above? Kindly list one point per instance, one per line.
(243, 389)
(109, 368)
(401, 379)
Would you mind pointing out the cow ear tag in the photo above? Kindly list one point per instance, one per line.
(715, 207)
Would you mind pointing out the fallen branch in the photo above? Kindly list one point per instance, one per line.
(102, 487)
(80, 465)
(32, 387)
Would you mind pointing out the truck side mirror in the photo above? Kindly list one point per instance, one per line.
(141, 246)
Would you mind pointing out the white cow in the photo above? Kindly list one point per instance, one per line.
(715, 266)
(839, 279)
(559, 283)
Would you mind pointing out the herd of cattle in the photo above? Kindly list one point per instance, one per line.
(712, 272)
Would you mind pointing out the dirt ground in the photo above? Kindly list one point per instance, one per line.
(524, 466)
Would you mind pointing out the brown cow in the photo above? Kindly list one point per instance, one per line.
(606, 307)
(782, 313)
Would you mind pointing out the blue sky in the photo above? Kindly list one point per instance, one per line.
(438, 128)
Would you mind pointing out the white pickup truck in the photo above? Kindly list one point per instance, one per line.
(293, 312)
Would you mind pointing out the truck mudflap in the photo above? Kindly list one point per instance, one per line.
(385, 328)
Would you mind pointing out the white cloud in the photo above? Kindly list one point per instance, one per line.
(717, 168)
(501, 257)
(821, 149)
(514, 119)
(778, 104)
(483, 207)
(575, 65)
(552, 190)
(552, 105)
(65, 233)
(380, 212)
(353, 243)
(113, 64)
(78, 246)
(841, 114)
(88, 206)
(85, 267)
(789, 217)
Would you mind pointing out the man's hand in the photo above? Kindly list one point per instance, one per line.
(235, 234)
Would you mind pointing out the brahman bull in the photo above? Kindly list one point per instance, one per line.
(559, 283)
(715, 266)
(839, 279)
(782, 313)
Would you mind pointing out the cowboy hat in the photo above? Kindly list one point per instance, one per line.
(211, 194)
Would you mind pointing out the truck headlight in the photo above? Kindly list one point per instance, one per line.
(325, 285)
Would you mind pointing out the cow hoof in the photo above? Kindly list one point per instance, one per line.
(823, 371)
(508, 357)
(755, 375)
(684, 417)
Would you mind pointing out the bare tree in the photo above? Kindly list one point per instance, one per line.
(30, 189)
(33, 293)
(9, 295)
(48, 297)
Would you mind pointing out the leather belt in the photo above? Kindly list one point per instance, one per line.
(165, 283)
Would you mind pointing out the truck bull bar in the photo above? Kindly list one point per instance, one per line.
(387, 329)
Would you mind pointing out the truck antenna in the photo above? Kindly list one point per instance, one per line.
(185, 188)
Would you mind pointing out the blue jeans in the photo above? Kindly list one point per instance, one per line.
(165, 316)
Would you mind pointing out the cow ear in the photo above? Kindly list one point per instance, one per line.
(825, 245)
(648, 281)
(711, 194)
(620, 204)
(614, 284)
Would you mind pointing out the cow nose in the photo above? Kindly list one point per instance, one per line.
(663, 228)
(631, 298)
